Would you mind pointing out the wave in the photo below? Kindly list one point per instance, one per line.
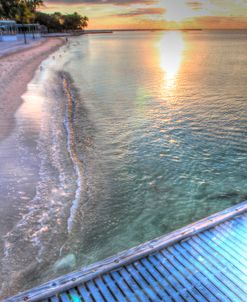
(43, 233)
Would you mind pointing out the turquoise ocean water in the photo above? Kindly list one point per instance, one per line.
(123, 137)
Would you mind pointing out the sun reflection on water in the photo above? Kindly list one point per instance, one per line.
(171, 48)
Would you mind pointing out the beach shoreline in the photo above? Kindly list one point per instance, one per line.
(21, 151)
(16, 71)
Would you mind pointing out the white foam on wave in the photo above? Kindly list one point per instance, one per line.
(56, 185)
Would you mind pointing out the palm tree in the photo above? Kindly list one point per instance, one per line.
(13, 8)
(84, 22)
(34, 4)
(8, 9)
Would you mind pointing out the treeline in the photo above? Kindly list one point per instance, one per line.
(26, 11)
(58, 22)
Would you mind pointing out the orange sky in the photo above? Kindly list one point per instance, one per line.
(130, 14)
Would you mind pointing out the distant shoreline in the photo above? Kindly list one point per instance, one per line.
(166, 29)
(16, 71)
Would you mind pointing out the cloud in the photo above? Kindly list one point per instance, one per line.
(218, 22)
(196, 5)
(114, 2)
(143, 11)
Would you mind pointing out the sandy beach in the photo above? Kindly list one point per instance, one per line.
(16, 71)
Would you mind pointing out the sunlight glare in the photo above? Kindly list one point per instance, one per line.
(171, 49)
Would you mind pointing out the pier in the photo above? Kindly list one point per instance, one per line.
(204, 261)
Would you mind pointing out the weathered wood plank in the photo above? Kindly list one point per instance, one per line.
(180, 284)
(224, 254)
(159, 284)
(85, 294)
(74, 295)
(112, 285)
(65, 297)
(167, 290)
(104, 290)
(123, 285)
(95, 292)
(221, 264)
(216, 285)
(145, 282)
(133, 285)
(191, 273)
(226, 282)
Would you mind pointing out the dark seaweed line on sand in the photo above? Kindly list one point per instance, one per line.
(70, 93)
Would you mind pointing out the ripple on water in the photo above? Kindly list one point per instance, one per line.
(156, 152)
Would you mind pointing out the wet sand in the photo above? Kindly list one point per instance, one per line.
(16, 71)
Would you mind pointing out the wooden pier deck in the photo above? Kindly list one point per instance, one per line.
(205, 261)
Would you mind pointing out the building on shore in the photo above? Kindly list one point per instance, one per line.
(8, 30)
(11, 31)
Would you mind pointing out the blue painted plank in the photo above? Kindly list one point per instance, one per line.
(192, 274)
(64, 297)
(240, 229)
(133, 285)
(240, 219)
(227, 246)
(223, 252)
(231, 232)
(54, 299)
(234, 236)
(85, 294)
(94, 291)
(142, 282)
(167, 290)
(237, 231)
(181, 285)
(104, 290)
(237, 222)
(216, 270)
(208, 271)
(111, 284)
(213, 293)
(149, 278)
(124, 287)
(222, 262)
(243, 220)
(74, 295)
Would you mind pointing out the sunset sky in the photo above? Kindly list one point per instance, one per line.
(130, 14)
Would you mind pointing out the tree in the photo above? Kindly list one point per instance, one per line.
(19, 9)
(34, 4)
(53, 22)
(8, 9)
(74, 21)
(25, 11)
(85, 22)
(57, 22)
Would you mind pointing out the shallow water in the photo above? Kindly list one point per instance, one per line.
(150, 136)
